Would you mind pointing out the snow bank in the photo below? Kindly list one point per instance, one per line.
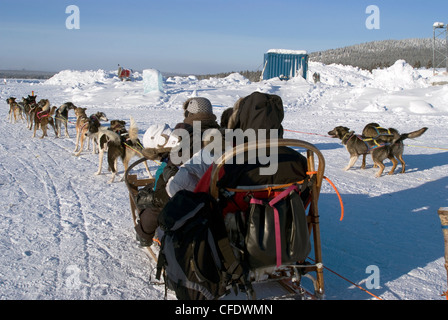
(79, 78)
(420, 107)
(398, 77)
(339, 75)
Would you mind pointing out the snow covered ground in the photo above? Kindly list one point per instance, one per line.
(68, 234)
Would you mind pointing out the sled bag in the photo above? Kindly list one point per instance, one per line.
(277, 230)
(192, 247)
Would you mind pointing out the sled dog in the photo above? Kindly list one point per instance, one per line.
(43, 116)
(29, 104)
(380, 150)
(15, 111)
(61, 118)
(83, 123)
(389, 135)
(118, 143)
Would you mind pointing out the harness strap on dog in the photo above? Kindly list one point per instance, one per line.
(352, 134)
(40, 115)
(382, 134)
(370, 148)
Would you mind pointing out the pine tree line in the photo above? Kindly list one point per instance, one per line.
(383, 54)
(253, 76)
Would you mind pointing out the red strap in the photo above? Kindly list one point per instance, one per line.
(282, 195)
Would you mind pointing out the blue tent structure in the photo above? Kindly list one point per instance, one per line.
(285, 64)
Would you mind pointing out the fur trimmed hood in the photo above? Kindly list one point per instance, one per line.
(258, 111)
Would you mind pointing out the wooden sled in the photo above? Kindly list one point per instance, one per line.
(289, 278)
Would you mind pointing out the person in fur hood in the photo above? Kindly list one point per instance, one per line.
(162, 147)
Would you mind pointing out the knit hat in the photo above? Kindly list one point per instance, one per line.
(197, 105)
(158, 136)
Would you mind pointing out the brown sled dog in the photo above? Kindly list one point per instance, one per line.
(14, 110)
(43, 116)
(358, 145)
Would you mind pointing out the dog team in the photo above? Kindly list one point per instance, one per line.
(116, 140)
(379, 142)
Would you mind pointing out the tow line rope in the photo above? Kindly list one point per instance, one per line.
(409, 145)
(314, 134)
(349, 281)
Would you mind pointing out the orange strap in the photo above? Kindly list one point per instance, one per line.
(269, 189)
(337, 192)
(339, 196)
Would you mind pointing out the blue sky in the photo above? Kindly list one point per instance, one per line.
(195, 36)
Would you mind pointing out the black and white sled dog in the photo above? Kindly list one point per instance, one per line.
(61, 118)
(389, 147)
(118, 143)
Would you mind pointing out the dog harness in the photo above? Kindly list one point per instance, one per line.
(365, 140)
(42, 114)
(379, 134)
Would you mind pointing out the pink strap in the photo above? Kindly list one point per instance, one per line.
(278, 242)
(256, 201)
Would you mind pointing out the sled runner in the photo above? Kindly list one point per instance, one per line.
(272, 230)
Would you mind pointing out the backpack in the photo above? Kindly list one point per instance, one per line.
(277, 230)
(195, 252)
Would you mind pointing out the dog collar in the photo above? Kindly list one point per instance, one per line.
(352, 134)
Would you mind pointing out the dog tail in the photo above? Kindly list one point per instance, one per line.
(46, 105)
(115, 150)
(411, 135)
(133, 130)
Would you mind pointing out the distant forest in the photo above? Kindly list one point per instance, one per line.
(253, 76)
(25, 74)
(417, 52)
(383, 54)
